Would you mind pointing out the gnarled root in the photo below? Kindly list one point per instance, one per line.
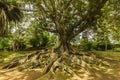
(52, 62)
(35, 59)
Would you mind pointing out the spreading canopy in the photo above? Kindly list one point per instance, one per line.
(69, 17)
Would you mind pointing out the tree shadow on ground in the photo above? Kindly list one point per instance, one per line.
(108, 70)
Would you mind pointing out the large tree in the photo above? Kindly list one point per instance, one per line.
(68, 18)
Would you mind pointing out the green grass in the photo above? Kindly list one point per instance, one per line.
(117, 49)
(106, 52)
(4, 55)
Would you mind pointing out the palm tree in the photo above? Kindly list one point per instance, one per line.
(8, 12)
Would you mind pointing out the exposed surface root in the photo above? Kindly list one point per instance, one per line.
(65, 67)
(53, 63)
(31, 60)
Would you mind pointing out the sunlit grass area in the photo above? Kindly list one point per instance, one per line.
(5, 55)
(106, 52)
(109, 69)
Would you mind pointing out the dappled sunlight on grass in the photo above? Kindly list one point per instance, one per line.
(16, 75)
(6, 55)
(10, 75)
(109, 69)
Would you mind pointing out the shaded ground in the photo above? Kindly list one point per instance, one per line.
(108, 70)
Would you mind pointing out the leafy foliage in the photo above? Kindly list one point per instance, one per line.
(65, 17)
(8, 12)
(5, 44)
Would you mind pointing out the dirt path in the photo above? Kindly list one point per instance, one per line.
(95, 73)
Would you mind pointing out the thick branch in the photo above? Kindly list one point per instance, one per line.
(54, 18)
(47, 6)
(53, 6)
(43, 9)
(89, 19)
(59, 29)
(81, 29)
(64, 10)
(68, 4)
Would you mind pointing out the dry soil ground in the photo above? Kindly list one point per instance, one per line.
(111, 71)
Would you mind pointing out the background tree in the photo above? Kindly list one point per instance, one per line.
(8, 12)
(35, 36)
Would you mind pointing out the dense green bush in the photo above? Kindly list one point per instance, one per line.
(34, 42)
(87, 45)
(102, 46)
(94, 45)
(117, 49)
(5, 44)
(41, 41)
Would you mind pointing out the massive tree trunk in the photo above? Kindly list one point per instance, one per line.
(64, 46)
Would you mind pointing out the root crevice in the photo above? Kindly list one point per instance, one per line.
(52, 62)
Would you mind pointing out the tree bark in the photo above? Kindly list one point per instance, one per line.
(63, 45)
